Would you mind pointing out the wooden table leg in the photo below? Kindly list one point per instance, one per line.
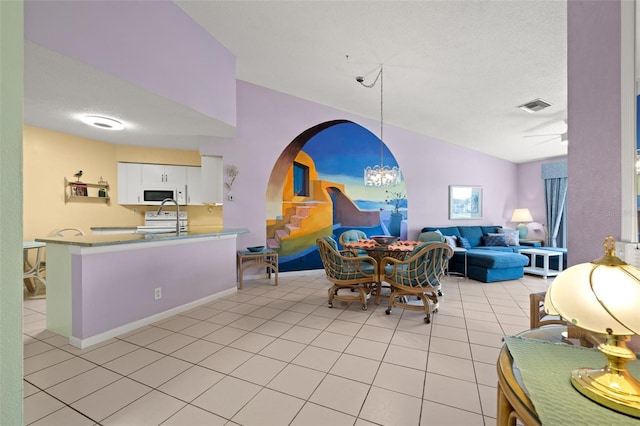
(505, 410)
(378, 291)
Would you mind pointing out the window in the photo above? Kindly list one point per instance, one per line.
(300, 180)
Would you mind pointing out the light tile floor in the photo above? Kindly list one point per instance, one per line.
(280, 356)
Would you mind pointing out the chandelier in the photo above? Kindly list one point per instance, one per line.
(380, 175)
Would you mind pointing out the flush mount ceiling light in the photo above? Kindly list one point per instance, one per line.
(102, 122)
(534, 105)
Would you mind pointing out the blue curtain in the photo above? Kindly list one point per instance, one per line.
(555, 186)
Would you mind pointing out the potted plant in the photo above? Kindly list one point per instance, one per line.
(395, 199)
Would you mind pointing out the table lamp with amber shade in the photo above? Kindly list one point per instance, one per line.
(603, 296)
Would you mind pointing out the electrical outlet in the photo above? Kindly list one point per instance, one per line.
(157, 293)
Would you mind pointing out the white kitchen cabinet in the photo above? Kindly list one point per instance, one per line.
(212, 179)
(194, 185)
(163, 175)
(129, 183)
(134, 177)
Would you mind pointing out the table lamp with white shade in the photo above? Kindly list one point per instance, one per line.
(522, 216)
(602, 297)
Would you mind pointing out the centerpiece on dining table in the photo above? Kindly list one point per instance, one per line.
(384, 240)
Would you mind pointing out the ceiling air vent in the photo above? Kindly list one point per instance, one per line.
(535, 105)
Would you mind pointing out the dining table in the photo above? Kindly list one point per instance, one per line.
(396, 250)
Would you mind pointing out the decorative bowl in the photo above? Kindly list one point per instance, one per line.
(384, 240)
(255, 249)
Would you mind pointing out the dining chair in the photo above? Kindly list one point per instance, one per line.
(539, 318)
(352, 236)
(347, 272)
(71, 232)
(418, 275)
(432, 236)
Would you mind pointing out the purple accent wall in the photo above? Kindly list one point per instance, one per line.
(594, 99)
(268, 121)
(104, 297)
(154, 45)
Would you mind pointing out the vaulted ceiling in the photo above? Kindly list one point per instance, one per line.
(453, 70)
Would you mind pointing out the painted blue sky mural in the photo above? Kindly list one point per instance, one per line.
(342, 152)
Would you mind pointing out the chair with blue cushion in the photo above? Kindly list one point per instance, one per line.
(432, 236)
(352, 236)
(347, 272)
(418, 275)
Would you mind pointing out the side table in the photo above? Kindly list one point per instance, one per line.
(513, 399)
(534, 385)
(464, 253)
(246, 259)
(545, 254)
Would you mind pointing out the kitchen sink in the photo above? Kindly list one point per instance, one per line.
(152, 230)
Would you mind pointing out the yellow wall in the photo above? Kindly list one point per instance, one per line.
(50, 156)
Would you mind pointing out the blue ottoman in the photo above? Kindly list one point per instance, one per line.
(491, 265)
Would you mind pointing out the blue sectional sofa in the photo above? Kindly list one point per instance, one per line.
(484, 263)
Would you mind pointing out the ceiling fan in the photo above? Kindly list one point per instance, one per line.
(564, 139)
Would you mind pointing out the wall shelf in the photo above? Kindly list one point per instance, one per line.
(85, 191)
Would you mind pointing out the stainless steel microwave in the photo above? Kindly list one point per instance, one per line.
(155, 196)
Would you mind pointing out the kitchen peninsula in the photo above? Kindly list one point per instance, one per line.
(101, 286)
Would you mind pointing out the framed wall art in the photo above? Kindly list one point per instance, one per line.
(465, 202)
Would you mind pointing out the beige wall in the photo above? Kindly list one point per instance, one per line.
(51, 156)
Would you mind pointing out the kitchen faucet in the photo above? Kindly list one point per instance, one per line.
(171, 200)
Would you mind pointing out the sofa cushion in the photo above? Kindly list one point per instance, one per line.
(495, 240)
(473, 234)
(512, 235)
(506, 249)
(463, 242)
(493, 229)
(452, 241)
(493, 259)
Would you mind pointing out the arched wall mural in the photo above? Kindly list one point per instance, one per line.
(316, 188)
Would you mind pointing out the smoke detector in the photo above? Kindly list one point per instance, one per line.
(534, 105)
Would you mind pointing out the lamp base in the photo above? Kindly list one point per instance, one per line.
(611, 386)
(600, 386)
(523, 230)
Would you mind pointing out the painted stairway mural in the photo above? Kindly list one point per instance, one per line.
(316, 188)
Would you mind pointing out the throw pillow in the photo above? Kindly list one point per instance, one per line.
(451, 241)
(512, 235)
(495, 240)
(464, 243)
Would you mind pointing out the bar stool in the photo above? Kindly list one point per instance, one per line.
(32, 271)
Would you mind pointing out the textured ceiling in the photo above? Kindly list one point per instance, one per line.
(453, 70)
